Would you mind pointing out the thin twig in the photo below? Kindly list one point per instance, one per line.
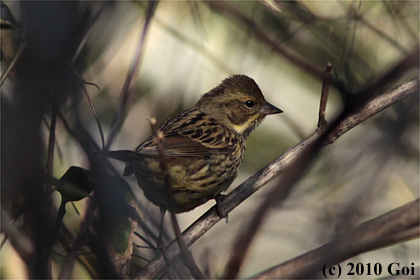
(265, 38)
(12, 64)
(355, 101)
(205, 52)
(142, 258)
(273, 169)
(51, 141)
(322, 122)
(145, 227)
(375, 106)
(359, 17)
(68, 128)
(92, 84)
(142, 246)
(186, 254)
(145, 240)
(67, 267)
(59, 152)
(244, 239)
(56, 229)
(92, 107)
(396, 226)
(117, 121)
(19, 240)
(55, 104)
(86, 30)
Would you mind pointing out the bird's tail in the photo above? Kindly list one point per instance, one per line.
(130, 157)
(124, 155)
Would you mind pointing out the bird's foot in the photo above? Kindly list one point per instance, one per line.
(223, 214)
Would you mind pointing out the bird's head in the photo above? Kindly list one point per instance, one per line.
(237, 103)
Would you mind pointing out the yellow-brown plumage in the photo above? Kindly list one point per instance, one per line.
(203, 146)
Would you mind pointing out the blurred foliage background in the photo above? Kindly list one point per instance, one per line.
(190, 47)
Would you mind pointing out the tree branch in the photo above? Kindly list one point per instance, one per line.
(396, 226)
(263, 37)
(375, 106)
(83, 232)
(19, 240)
(185, 253)
(117, 121)
(322, 122)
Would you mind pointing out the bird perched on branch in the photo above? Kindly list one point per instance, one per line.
(201, 148)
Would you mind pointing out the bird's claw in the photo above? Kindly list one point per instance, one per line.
(219, 207)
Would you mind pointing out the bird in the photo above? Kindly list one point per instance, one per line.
(201, 148)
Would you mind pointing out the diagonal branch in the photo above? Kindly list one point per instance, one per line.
(81, 237)
(396, 226)
(117, 121)
(263, 37)
(92, 106)
(185, 253)
(322, 122)
(12, 64)
(19, 240)
(375, 106)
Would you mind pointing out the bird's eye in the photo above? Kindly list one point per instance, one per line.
(249, 103)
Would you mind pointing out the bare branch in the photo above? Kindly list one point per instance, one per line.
(22, 243)
(92, 107)
(186, 254)
(380, 33)
(55, 103)
(12, 64)
(83, 232)
(399, 225)
(322, 122)
(117, 122)
(375, 106)
(265, 38)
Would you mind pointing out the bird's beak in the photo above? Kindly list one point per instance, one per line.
(269, 109)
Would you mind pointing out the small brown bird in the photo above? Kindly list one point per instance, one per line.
(202, 147)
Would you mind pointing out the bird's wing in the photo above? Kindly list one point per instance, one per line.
(191, 133)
